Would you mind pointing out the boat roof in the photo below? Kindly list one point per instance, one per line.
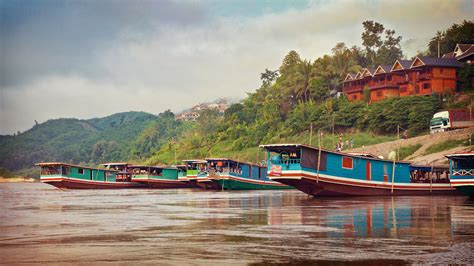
(232, 160)
(464, 155)
(152, 166)
(428, 167)
(195, 161)
(275, 147)
(363, 154)
(117, 163)
(72, 165)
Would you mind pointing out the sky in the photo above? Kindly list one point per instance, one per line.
(88, 58)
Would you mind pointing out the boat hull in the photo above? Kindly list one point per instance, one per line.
(340, 187)
(162, 183)
(208, 184)
(466, 190)
(72, 183)
(234, 183)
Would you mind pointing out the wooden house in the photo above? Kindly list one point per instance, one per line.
(421, 76)
(382, 84)
(352, 86)
(434, 75)
(403, 77)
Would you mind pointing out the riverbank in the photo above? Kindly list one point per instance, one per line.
(16, 179)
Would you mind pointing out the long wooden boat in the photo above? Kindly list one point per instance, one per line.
(195, 168)
(157, 176)
(320, 172)
(461, 172)
(70, 176)
(228, 174)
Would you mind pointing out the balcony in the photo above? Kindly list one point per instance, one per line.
(424, 76)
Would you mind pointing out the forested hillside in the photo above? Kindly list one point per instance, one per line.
(122, 136)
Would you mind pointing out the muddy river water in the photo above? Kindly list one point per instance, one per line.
(42, 224)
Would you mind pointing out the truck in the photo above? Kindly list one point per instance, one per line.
(451, 119)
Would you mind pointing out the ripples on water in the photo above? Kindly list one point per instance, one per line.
(41, 224)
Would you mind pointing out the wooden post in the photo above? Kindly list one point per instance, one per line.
(431, 177)
(398, 142)
(319, 154)
(394, 159)
(175, 151)
(393, 174)
(310, 133)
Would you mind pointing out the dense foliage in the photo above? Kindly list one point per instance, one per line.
(122, 136)
(447, 39)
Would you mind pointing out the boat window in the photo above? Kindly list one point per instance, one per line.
(80, 171)
(50, 170)
(310, 159)
(347, 162)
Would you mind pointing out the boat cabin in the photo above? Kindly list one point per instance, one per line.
(195, 168)
(181, 170)
(153, 172)
(461, 166)
(429, 174)
(225, 166)
(58, 169)
(123, 174)
(288, 158)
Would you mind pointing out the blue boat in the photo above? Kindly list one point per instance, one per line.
(320, 172)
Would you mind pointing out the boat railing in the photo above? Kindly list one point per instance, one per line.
(285, 161)
(463, 172)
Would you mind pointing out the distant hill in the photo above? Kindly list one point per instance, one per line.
(121, 136)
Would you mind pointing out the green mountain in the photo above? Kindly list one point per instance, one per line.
(121, 136)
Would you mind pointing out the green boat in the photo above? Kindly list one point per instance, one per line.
(70, 176)
(228, 174)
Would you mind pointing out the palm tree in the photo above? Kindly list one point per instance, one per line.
(303, 76)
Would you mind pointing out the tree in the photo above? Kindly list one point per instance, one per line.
(390, 50)
(303, 77)
(457, 33)
(291, 60)
(371, 38)
(380, 51)
(342, 61)
(318, 90)
(268, 77)
(366, 94)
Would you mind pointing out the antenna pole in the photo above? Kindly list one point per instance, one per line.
(438, 47)
(310, 133)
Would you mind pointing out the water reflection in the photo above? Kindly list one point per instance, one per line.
(201, 227)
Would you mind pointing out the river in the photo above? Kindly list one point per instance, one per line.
(42, 224)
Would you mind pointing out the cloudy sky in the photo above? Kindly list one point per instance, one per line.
(89, 58)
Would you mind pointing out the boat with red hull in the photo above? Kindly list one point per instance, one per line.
(320, 172)
(70, 176)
